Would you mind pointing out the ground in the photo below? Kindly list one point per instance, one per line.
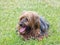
(10, 10)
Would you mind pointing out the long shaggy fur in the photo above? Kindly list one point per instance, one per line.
(32, 25)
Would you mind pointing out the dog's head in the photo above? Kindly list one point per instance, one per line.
(27, 21)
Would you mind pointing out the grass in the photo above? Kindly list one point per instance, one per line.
(10, 11)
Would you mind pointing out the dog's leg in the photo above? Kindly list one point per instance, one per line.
(40, 38)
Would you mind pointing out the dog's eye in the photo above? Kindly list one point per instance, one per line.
(21, 18)
(26, 19)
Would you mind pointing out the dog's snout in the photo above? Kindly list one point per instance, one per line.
(21, 24)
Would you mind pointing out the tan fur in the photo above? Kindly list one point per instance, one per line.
(33, 18)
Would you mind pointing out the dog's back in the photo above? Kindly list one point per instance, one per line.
(44, 25)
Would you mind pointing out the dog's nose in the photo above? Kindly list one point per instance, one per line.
(21, 24)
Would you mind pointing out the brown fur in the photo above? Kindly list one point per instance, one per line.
(33, 21)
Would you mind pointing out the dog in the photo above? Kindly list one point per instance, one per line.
(31, 25)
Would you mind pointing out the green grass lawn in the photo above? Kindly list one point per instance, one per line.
(10, 10)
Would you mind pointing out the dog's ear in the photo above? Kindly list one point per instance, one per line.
(37, 22)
